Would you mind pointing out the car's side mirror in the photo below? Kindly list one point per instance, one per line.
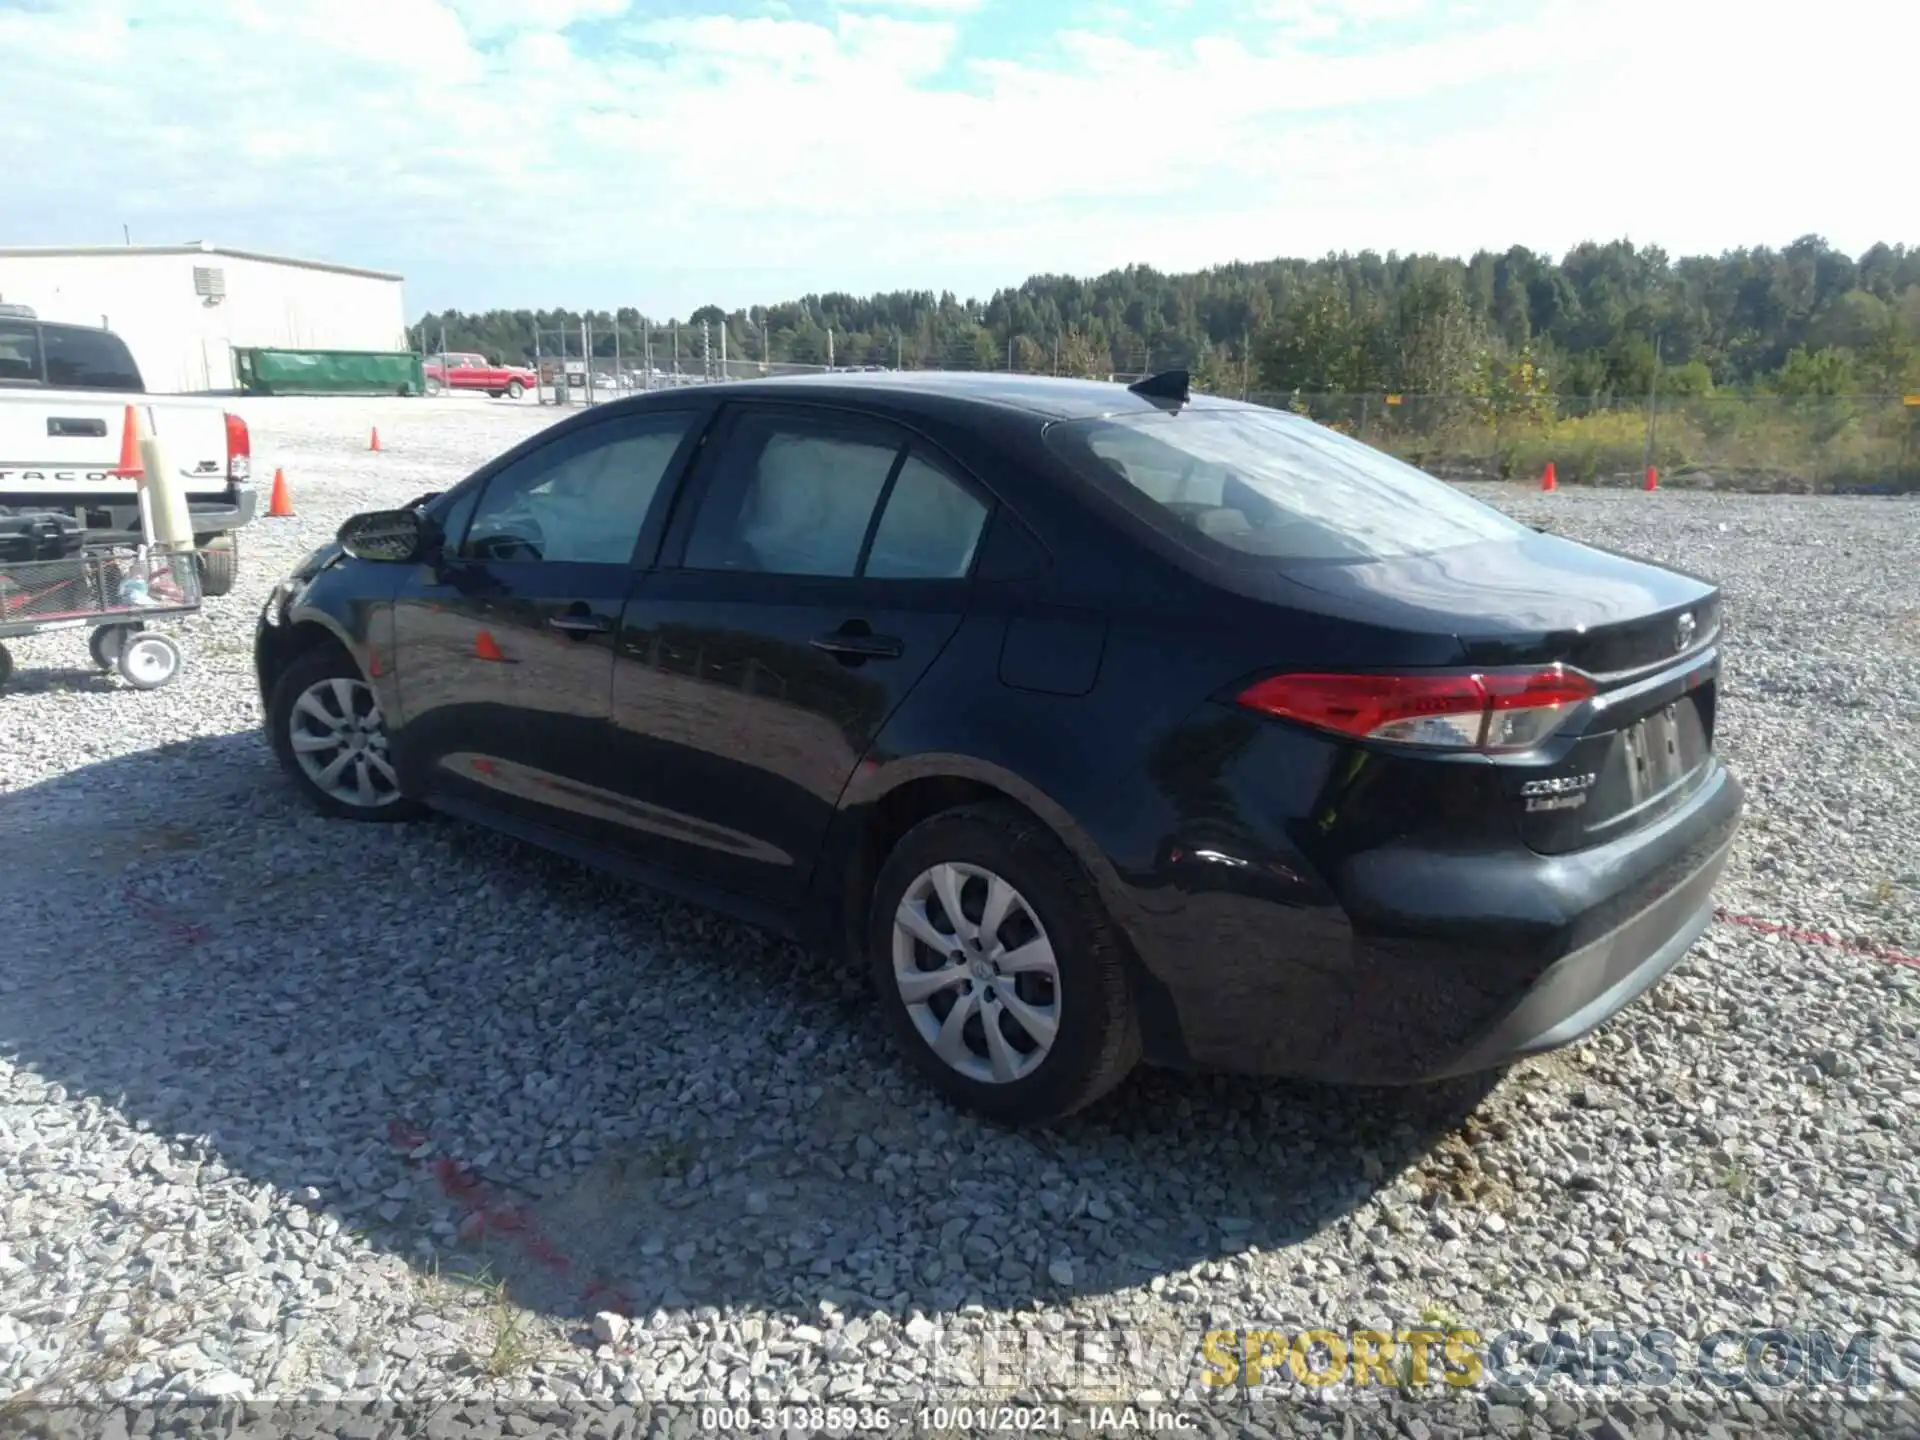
(390, 536)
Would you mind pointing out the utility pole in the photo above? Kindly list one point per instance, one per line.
(723, 351)
(829, 347)
(899, 353)
(586, 355)
(706, 351)
(1009, 352)
(676, 349)
(646, 355)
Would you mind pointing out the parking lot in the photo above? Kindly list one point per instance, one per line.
(299, 1109)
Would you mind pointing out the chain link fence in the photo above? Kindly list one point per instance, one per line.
(1850, 444)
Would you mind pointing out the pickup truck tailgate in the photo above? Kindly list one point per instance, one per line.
(67, 443)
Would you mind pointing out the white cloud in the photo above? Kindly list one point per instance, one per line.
(545, 142)
(945, 7)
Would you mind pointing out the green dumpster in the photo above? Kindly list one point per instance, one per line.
(262, 371)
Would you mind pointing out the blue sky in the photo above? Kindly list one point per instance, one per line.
(668, 153)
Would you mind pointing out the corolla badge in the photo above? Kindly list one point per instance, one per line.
(1563, 792)
(1683, 632)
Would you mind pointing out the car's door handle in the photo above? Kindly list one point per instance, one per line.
(859, 645)
(76, 427)
(577, 624)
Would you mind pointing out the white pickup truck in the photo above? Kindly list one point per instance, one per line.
(64, 393)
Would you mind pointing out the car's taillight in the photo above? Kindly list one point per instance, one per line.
(239, 449)
(1492, 710)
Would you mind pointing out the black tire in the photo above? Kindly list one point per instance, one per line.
(219, 562)
(6, 665)
(106, 642)
(515, 390)
(306, 671)
(1098, 1040)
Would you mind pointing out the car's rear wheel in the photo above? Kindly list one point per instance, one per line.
(219, 562)
(999, 968)
(331, 739)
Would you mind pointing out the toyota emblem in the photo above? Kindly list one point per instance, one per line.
(1683, 632)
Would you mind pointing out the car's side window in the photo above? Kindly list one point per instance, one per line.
(453, 515)
(583, 499)
(930, 528)
(19, 352)
(793, 495)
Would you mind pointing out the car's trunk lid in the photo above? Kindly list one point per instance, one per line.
(1646, 635)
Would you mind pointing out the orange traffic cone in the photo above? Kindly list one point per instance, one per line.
(280, 503)
(130, 438)
(1653, 477)
(1547, 482)
(486, 648)
(374, 443)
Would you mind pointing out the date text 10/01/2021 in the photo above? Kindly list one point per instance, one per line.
(1099, 1419)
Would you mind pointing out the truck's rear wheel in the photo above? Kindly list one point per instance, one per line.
(219, 562)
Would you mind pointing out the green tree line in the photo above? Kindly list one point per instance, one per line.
(1600, 323)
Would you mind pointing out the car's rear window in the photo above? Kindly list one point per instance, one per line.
(1261, 484)
(81, 359)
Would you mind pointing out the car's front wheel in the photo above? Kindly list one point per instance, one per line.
(515, 390)
(999, 967)
(331, 739)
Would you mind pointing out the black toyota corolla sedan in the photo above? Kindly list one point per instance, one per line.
(1100, 723)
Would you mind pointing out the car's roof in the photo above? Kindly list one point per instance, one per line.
(1045, 396)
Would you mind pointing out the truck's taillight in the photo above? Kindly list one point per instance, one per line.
(1480, 711)
(239, 449)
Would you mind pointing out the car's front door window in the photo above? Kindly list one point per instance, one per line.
(581, 500)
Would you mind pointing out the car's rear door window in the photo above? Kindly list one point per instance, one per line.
(930, 528)
(831, 496)
(1244, 485)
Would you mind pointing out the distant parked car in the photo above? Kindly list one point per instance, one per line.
(476, 372)
(1100, 722)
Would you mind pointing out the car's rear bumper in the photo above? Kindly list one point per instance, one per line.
(117, 522)
(1583, 990)
(1432, 964)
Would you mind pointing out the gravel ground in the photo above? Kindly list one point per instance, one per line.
(300, 1111)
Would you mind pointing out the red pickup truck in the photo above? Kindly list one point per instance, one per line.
(456, 371)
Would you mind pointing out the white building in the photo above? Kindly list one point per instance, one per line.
(183, 308)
